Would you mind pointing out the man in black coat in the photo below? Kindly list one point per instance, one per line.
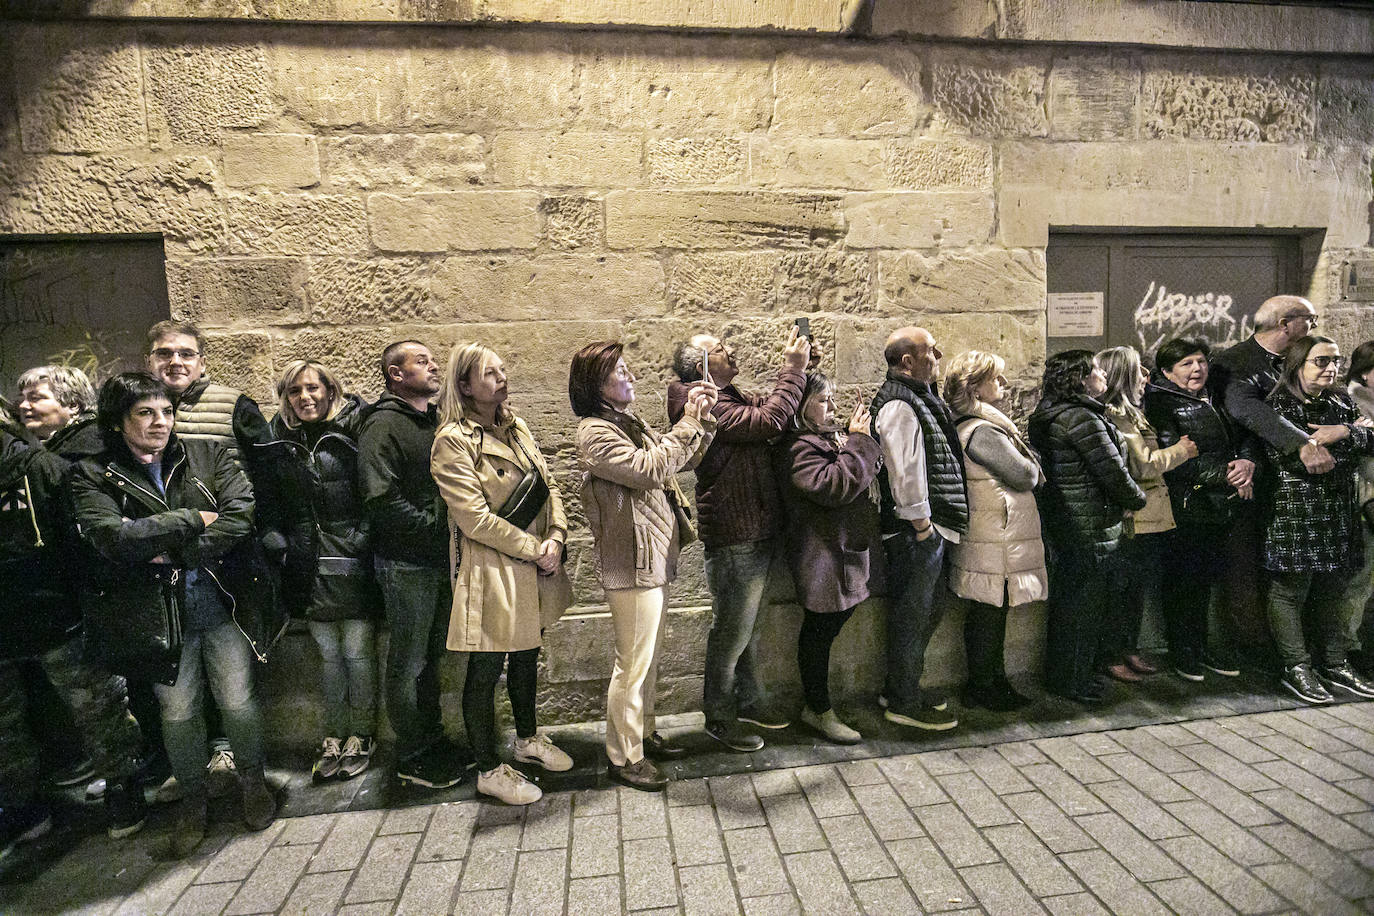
(40, 620)
(410, 541)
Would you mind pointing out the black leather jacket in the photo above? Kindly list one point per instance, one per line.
(141, 543)
(1243, 376)
(1198, 490)
(1087, 484)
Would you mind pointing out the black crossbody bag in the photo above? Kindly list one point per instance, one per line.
(527, 500)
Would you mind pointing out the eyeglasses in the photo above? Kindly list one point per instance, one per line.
(1310, 319)
(1323, 362)
(164, 355)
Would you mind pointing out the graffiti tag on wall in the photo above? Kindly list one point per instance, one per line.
(1162, 315)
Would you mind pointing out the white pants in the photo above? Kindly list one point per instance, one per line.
(638, 617)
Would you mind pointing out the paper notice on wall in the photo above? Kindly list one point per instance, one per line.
(1075, 314)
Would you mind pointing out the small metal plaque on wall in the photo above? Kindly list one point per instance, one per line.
(1358, 280)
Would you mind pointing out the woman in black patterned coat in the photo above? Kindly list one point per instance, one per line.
(1313, 542)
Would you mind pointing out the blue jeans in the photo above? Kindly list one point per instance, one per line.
(348, 661)
(222, 656)
(737, 576)
(914, 569)
(419, 600)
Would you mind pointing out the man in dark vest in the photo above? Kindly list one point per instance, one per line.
(924, 505)
(409, 526)
(206, 410)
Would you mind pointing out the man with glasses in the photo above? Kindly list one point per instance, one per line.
(1242, 378)
(207, 410)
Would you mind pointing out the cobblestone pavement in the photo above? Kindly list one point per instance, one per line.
(1262, 813)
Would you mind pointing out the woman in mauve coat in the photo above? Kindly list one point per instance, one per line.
(832, 524)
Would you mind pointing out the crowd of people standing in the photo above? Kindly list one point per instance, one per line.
(159, 534)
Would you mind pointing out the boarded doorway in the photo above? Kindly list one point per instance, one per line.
(1142, 289)
(83, 302)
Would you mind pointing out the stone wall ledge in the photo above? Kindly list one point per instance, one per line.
(1254, 26)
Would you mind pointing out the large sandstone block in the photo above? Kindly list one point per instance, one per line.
(1229, 101)
(790, 15)
(572, 222)
(817, 162)
(242, 360)
(708, 219)
(78, 88)
(918, 219)
(982, 280)
(352, 352)
(226, 291)
(271, 161)
(567, 159)
(848, 91)
(507, 82)
(991, 95)
(696, 160)
(197, 90)
(681, 86)
(608, 286)
(351, 86)
(369, 291)
(454, 221)
(1345, 103)
(411, 161)
(936, 164)
(176, 197)
(735, 283)
(271, 222)
(1178, 184)
(825, 280)
(1094, 97)
(1019, 338)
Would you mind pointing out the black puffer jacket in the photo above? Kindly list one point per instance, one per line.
(1198, 490)
(134, 606)
(38, 610)
(1087, 484)
(77, 440)
(328, 557)
(407, 516)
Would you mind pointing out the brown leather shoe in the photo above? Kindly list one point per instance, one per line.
(641, 775)
(1139, 665)
(1122, 672)
(661, 748)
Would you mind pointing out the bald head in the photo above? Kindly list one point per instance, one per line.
(1280, 320)
(912, 352)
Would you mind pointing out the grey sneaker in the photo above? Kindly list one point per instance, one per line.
(327, 766)
(259, 807)
(1303, 684)
(829, 725)
(734, 736)
(188, 828)
(929, 718)
(357, 756)
(509, 785)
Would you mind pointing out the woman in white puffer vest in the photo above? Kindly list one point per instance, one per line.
(1000, 563)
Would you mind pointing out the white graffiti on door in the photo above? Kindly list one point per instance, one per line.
(1162, 315)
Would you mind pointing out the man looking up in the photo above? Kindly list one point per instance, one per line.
(740, 512)
(923, 506)
(409, 528)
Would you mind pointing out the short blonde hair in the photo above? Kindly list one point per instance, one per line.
(288, 378)
(966, 373)
(462, 359)
(69, 386)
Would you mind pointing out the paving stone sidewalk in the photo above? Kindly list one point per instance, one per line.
(1262, 813)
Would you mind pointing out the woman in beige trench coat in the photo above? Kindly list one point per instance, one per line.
(508, 582)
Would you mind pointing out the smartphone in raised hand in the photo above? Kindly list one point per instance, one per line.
(705, 365)
(804, 327)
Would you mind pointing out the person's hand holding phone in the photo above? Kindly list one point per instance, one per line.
(797, 351)
(861, 420)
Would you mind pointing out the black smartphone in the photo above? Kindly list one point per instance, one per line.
(804, 327)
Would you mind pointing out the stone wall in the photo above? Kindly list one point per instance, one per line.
(324, 189)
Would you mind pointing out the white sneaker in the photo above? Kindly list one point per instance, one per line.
(508, 785)
(829, 725)
(544, 752)
(170, 791)
(222, 776)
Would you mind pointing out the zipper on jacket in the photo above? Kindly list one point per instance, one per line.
(33, 516)
(233, 614)
(176, 608)
(116, 472)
